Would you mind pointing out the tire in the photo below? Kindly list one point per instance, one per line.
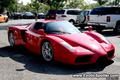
(117, 27)
(47, 51)
(99, 30)
(11, 39)
(83, 20)
(6, 20)
(72, 22)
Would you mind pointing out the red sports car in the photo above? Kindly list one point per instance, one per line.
(61, 41)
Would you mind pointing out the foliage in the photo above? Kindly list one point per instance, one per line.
(54, 4)
(36, 6)
(81, 4)
(101, 2)
(75, 4)
(6, 3)
(113, 2)
(57, 4)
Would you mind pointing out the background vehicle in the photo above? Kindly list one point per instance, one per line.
(49, 37)
(3, 18)
(41, 15)
(16, 15)
(28, 15)
(83, 18)
(105, 17)
(64, 14)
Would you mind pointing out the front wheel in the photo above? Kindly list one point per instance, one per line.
(47, 51)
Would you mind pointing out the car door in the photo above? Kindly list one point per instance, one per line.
(34, 38)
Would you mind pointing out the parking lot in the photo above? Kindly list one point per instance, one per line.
(20, 64)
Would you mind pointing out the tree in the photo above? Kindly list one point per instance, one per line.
(13, 7)
(101, 2)
(114, 2)
(38, 6)
(76, 4)
(6, 3)
(54, 4)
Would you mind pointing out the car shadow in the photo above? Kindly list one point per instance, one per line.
(35, 64)
(110, 33)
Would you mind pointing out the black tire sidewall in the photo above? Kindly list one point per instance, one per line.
(117, 27)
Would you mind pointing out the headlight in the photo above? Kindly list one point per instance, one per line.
(68, 46)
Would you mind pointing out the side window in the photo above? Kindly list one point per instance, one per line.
(95, 11)
(38, 26)
(73, 12)
(60, 11)
(117, 11)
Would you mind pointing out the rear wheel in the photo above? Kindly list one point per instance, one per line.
(72, 22)
(117, 27)
(99, 29)
(11, 39)
(47, 51)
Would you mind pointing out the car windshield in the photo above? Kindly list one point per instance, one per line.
(62, 27)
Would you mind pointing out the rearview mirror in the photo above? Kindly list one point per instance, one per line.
(41, 32)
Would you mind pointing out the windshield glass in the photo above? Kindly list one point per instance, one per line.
(62, 27)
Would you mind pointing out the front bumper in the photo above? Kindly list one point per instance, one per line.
(87, 57)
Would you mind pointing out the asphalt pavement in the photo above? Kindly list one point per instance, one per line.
(20, 64)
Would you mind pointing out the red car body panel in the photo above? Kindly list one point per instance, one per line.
(88, 44)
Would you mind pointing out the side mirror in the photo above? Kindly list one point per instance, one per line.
(90, 28)
(41, 32)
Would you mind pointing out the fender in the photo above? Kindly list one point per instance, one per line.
(95, 35)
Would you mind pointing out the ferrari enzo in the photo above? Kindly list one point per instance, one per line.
(61, 41)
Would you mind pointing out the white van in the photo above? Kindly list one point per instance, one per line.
(68, 15)
(104, 18)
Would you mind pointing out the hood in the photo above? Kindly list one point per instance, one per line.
(82, 40)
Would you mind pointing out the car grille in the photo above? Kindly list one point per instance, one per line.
(85, 58)
(110, 53)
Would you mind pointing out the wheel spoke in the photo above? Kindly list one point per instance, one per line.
(47, 51)
(11, 39)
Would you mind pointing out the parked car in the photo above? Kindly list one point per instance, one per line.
(16, 15)
(41, 15)
(64, 14)
(105, 17)
(68, 15)
(28, 15)
(83, 18)
(3, 18)
(51, 14)
(49, 37)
